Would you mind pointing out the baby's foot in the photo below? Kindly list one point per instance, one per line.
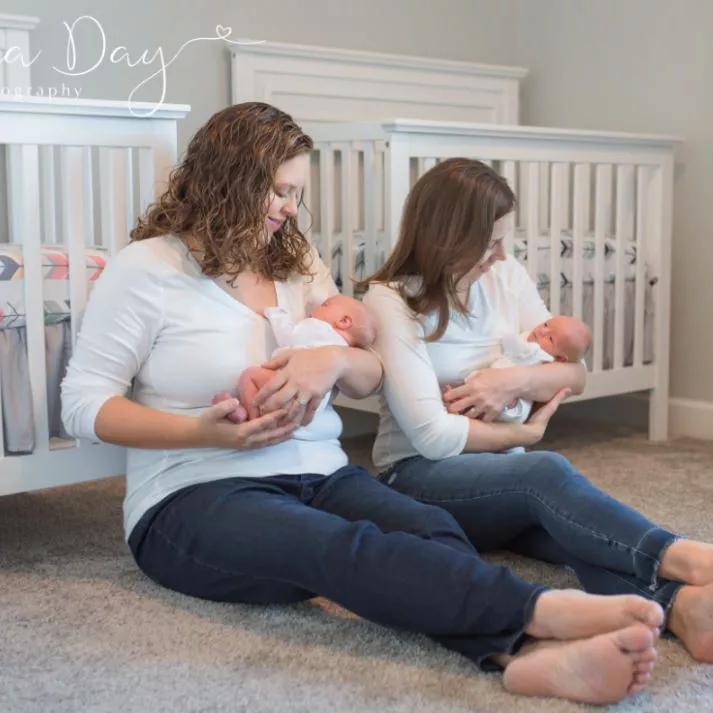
(601, 670)
(692, 621)
(573, 614)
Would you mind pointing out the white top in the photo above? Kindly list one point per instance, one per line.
(154, 317)
(413, 419)
(517, 350)
(308, 332)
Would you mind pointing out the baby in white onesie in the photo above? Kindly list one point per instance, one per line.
(339, 320)
(561, 338)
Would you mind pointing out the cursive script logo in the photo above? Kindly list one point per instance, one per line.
(120, 54)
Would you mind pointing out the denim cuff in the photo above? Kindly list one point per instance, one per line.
(649, 553)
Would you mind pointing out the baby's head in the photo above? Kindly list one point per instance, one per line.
(564, 338)
(350, 318)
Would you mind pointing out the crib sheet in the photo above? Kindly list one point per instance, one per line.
(17, 410)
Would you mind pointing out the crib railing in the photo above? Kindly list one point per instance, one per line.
(593, 221)
(77, 173)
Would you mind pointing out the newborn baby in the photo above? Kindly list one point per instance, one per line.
(561, 338)
(339, 321)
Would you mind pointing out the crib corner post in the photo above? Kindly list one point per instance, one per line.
(659, 407)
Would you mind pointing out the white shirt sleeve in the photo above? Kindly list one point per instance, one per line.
(410, 387)
(122, 319)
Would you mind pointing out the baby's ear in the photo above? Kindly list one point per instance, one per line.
(344, 322)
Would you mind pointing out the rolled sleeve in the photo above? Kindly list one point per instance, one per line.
(122, 319)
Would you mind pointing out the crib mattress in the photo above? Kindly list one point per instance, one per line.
(55, 273)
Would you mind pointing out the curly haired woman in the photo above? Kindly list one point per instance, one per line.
(245, 512)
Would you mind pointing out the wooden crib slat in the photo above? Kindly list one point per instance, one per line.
(75, 229)
(49, 191)
(581, 205)
(346, 259)
(28, 175)
(557, 202)
(533, 219)
(370, 217)
(624, 231)
(130, 187)
(508, 171)
(602, 221)
(326, 202)
(13, 162)
(147, 179)
(113, 181)
(642, 231)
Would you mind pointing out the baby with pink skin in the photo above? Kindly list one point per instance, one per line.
(561, 338)
(339, 321)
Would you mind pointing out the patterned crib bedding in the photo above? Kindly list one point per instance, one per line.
(17, 411)
(522, 251)
(55, 273)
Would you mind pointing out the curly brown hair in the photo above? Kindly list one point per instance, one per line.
(217, 196)
(446, 226)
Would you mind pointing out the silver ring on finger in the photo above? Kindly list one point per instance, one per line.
(302, 401)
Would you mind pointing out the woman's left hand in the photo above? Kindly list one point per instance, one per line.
(302, 378)
(483, 395)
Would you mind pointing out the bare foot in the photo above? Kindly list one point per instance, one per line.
(691, 620)
(601, 670)
(688, 561)
(573, 614)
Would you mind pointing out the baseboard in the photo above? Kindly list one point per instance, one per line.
(688, 418)
(691, 418)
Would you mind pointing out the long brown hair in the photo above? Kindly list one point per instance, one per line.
(446, 225)
(217, 196)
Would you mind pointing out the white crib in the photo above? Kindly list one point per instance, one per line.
(593, 227)
(77, 172)
(594, 208)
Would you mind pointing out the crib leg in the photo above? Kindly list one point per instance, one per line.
(658, 414)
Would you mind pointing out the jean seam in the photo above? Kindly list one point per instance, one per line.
(560, 517)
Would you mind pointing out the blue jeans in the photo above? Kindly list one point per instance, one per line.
(345, 537)
(538, 505)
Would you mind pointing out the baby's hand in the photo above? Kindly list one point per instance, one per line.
(238, 415)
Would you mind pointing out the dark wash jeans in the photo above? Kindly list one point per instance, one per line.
(537, 504)
(346, 537)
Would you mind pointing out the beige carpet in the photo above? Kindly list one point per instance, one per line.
(82, 630)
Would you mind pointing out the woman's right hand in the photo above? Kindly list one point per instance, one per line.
(536, 425)
(216, 430)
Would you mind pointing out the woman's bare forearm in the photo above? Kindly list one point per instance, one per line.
(541, 382)
(496, 436)
(126, 423)
(361, 372)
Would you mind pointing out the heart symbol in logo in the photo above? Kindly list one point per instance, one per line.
(223, 32)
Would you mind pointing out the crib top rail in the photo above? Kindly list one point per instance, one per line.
(141, 111)
(412, 129)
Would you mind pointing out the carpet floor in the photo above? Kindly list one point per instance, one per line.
(83, 630)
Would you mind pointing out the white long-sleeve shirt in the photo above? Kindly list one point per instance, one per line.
(413, 419)
(153, 319)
